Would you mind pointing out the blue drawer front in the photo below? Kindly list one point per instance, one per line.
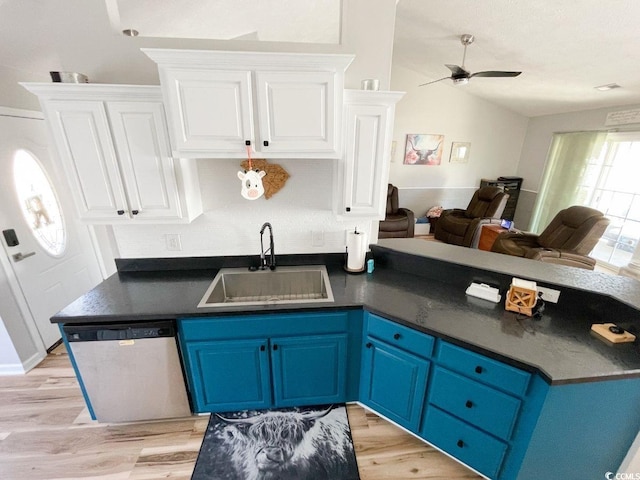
(245, 326)
(482, 406)
(399, 336)
(464, 442)
(483, 369)
(393, 383)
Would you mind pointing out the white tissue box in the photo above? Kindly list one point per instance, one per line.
(484, 291)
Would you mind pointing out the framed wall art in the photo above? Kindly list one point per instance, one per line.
(423, 149)
(460, 152)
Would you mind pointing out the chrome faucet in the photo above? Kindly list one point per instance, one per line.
(272, 256)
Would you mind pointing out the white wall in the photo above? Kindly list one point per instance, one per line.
(231, 224)
(495, 133)
(537, 143)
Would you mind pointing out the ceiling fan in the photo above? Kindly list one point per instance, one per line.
(461, 76)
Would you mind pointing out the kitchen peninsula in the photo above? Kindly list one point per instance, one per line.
(545, 397)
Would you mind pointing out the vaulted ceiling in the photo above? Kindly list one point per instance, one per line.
(564, 48)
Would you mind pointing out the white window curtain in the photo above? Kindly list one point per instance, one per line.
(569, 155)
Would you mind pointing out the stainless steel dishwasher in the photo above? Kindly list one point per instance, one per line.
(130, 371)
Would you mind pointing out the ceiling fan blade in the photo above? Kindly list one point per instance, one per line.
(434, 81)
(492, 73)
(456, 70)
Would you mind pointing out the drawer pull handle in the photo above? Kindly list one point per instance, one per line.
(120, 212)
(275, 347)
(397, 336)
(369, 345)
(262, 348)
(266, 143)
(468, 404)
(479, 369)
(460, 443)
(135, 212)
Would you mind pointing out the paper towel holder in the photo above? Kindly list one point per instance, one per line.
(346, 259)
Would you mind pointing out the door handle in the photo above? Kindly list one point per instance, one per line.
(18, 257)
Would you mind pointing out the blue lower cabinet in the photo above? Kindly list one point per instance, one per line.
(230, 375)
(277, 360)
(477, 449)
(393, 383)
(309, 370)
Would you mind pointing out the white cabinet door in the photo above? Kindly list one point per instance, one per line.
(364, 170)
(209, 111)
(81, 133)
(297, 112)
(139, 133)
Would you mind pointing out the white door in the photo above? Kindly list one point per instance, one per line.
(49, 251)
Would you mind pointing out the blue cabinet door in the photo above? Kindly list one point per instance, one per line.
(229, 375)
(309, 370)
(393, 383)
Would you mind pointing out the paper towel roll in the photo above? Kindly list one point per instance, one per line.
(356, 250)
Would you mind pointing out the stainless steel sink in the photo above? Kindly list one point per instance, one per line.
(239, 286)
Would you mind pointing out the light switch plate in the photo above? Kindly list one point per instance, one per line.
(173, 241)
(549, 294)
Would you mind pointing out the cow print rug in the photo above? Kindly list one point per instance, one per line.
(306, 443)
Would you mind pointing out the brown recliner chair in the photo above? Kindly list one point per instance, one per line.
(462, 227)
(567, 240)
(398, 222)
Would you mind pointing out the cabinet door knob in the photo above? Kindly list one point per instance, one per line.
(266, 143)
(478, 369)
(348, 209)
(397, 336)
(262, 348)
(369, 345)
(275, 347)
(135, 212)
(120, 212)
(247, 142)
(468, 404)
(460, 443)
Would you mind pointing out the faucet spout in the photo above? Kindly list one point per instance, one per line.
(272, 256)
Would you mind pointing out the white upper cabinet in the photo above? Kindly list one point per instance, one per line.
(282, 105)
(363, 173)
(113, 144)
(209, 111)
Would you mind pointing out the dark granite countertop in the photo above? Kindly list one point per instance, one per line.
(420, 291)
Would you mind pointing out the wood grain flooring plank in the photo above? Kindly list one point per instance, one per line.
(46, 433)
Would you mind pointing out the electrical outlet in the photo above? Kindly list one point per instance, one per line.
(174, 243)
(549, 294)
(317, 238)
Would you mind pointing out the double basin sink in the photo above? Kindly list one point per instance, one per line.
(284, 285)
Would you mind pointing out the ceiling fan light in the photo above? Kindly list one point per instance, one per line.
(608, 86)
(460, 81)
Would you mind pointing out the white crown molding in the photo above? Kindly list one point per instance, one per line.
(206, 59)
(93, 91)
(20, 113)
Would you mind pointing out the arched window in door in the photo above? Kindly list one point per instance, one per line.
(39, 203)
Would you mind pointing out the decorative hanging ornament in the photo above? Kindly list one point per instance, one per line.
(252, 187)
(251, 184)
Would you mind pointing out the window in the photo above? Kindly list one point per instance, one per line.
(611, 185)
(39, 204)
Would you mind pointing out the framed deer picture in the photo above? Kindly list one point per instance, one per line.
(423, 149)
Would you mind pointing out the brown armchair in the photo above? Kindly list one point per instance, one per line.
(567, 240)
(398, 222)
(462, 227)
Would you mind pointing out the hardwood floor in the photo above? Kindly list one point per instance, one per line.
(46, 433)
